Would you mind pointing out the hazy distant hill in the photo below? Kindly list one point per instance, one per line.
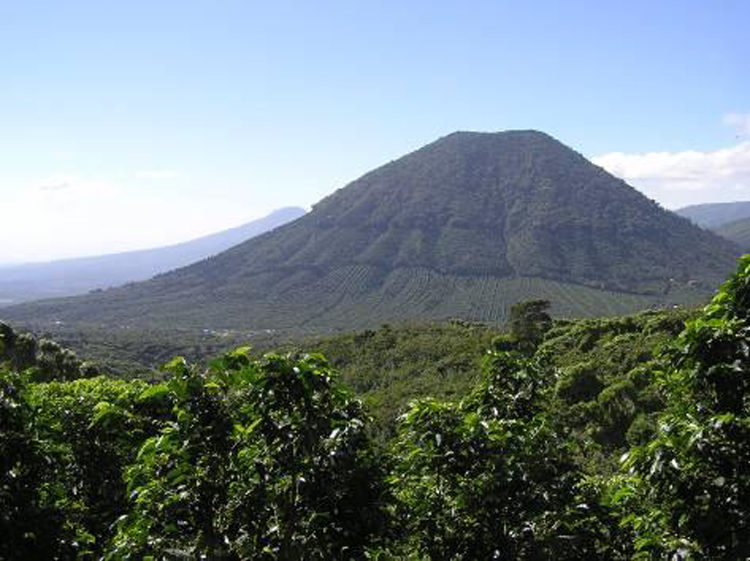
(463, 227)
(737, 231)
(712, 215)
(75, 276)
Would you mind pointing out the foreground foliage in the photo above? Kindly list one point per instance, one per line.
(693, 477)
(490, 477)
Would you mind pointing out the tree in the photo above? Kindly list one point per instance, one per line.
(47, 359)
(529, 321)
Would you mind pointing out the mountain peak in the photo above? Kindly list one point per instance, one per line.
(512, 136)
(509, 133)
(462, 227)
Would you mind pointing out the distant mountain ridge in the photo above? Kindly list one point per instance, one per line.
(713, 215)
(79, 275)
(737, 231)
(463, 227)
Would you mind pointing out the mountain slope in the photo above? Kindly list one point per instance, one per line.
(713, 215)
(75, 276)
(464, 227)
(737, 231)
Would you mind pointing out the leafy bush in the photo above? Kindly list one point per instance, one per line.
(690, 489)
(579, 383)
(490, 477)
(29, 525)
(262, 459)
(65, 444)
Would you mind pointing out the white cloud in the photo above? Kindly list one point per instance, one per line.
(157, 174)
(678, 179)
(738, 121)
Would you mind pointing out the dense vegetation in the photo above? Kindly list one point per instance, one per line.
(464, 227)
(389, 366)
(269, 457)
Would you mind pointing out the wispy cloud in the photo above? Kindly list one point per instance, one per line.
(157, 174)
(59, 188)
(738, 121)
(680, 178)
(55, 186)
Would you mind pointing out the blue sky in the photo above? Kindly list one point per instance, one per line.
(134, 124)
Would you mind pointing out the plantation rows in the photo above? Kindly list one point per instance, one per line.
(310, 299)
(427, 294)
(352, 297)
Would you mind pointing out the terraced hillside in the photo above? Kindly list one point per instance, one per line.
(463, 227)
(358, 296)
